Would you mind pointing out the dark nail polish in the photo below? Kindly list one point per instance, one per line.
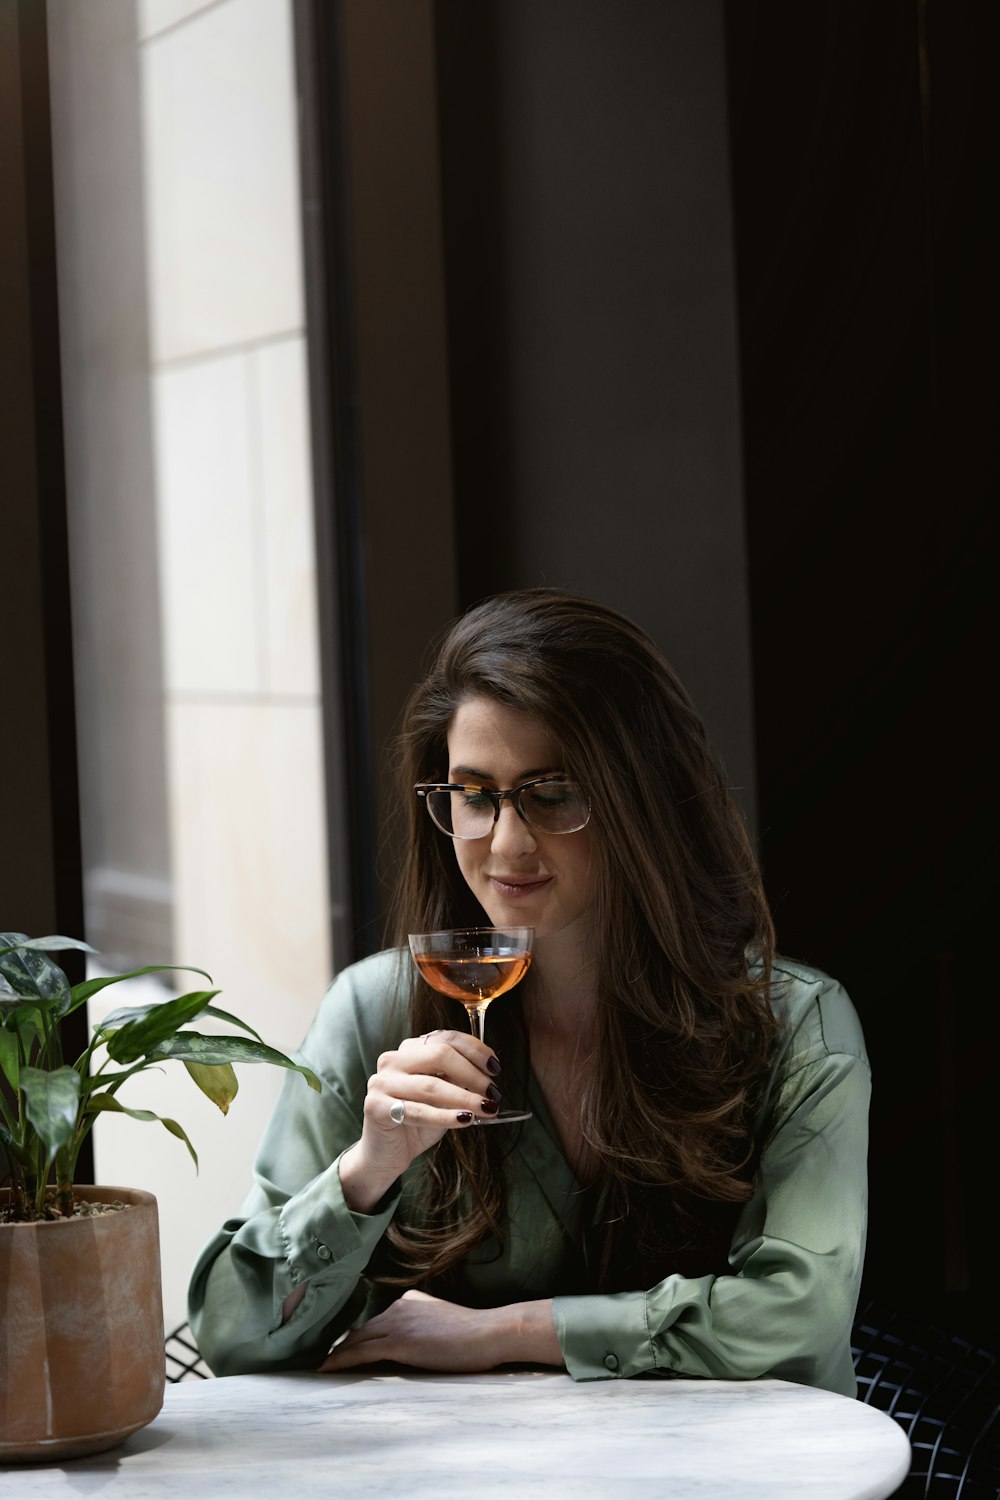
(464, 1116)
(492, 1066)
(494, 1093)
(489, 1107)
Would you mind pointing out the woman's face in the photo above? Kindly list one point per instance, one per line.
(518, 875)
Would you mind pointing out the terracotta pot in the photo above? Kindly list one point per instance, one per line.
(81, 1329)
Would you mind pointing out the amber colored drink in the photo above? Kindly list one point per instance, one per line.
(474, 978)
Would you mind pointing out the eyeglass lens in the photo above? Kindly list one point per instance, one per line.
(549, 806)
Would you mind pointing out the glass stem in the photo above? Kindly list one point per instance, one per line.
(478, 1020)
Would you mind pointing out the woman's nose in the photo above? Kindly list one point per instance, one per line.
(512, 836)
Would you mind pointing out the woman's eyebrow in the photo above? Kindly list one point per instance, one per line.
(486, 776)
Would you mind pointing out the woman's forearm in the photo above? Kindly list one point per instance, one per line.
(363, 1186)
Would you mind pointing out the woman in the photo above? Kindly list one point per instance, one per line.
(689, 1196)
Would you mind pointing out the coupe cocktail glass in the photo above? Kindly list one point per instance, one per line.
(475, 965)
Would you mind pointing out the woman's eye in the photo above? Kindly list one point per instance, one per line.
(554, 794)
(473, 798)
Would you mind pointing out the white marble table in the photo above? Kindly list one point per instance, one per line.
(524, 1434)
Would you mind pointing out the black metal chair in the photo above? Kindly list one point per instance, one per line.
(183, 1359)
(943, 1390)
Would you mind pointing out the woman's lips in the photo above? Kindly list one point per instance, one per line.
(516, 886)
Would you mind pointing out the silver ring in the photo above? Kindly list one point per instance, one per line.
(397, 1111)
(427, 1036)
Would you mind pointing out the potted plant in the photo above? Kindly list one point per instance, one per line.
(81, 1317)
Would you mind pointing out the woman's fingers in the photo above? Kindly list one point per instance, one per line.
(425, 1332)
(455, 1054)
(398, 1098)
(435, 1078)
(354, 1351)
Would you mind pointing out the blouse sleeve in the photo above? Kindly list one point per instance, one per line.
(295, 1228)
(797, 1255)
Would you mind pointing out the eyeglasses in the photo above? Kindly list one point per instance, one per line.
(469, 812)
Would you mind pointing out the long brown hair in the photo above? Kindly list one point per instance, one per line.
(683, 936)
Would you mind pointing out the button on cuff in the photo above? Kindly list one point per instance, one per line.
(324, 1252)
(611, 1361)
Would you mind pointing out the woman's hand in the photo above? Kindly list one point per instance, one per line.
(430, 1334)
(441, 1081)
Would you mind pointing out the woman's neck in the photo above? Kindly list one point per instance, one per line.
(559, 1010)
(563, 993)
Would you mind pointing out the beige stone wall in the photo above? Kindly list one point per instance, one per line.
(187, 420)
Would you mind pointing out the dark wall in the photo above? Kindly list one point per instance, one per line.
(857, 173)
(41, 885)
(863, 146)
(592, 324)
(40, 872)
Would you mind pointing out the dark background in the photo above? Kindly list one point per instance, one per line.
(861, 141)
(863, 152)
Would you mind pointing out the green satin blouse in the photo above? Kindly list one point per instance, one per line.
(783, 1309)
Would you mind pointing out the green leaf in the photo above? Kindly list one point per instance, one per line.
(225, 1015)
(138, 1031)
(23, 963)
(51, 1101)
(182, 1004)
(28, 1023)
(11, 940)
(13, 1008)
(10, 1058)
(217, 1082)
(94, 1083)
(88, 987)
(108, 1103)
(210, 1051)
